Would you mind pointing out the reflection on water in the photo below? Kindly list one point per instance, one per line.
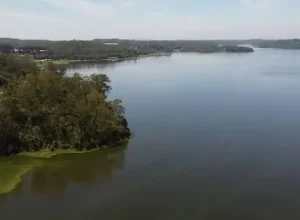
(88, 169)
(90, 67)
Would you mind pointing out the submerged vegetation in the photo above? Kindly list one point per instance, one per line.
(42, 109)
(52, 174)
(12, 171)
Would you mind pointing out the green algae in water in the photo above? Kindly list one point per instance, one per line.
(12, 169)
(59, 166)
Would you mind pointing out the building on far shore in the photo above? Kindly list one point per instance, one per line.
(112, 44)
(22, 50)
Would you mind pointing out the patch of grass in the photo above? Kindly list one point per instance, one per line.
(46, 153)
(155, 55)
(61, 62)
(57, 62)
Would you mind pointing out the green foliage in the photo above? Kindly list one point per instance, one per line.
(60, 69)
(47, 110)
(101, 83)
(98, 49)
(73, 50)
(14, 65)
(280, 44)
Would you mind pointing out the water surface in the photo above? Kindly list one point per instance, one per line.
(216, 137)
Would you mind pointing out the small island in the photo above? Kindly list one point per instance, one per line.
(44, 111)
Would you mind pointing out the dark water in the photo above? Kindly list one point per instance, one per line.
(217, 136)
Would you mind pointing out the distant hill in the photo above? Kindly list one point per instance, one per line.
(121, 48)
(98, 49)
(280, 44)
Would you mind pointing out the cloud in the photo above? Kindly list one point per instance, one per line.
(82, 6)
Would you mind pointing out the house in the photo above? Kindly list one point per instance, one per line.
(112, 44)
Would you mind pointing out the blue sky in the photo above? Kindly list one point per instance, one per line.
(150, 19)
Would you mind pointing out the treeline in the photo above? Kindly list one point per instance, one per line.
(99, 49)
(280, 44)
(45, 110)
(201, 46)
(12, 67)
(72, 50)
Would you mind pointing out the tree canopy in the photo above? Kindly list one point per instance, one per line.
(43, 109)
(12, 66)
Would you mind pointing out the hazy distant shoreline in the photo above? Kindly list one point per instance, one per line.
(118, 49)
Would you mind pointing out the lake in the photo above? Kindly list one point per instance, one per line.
(216, 136)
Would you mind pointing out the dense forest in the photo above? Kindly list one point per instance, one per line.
(70, 50)
(111, 48)
(42, 109)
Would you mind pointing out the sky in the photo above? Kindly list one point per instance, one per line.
(150, 19)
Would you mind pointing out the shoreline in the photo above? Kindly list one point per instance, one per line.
(66, 61)
(115, 59)
(47, 153)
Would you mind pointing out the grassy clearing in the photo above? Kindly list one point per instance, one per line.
(57, 62)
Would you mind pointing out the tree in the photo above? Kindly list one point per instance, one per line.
(101, 83)
(60, 69)
(16, 66)
(47, 110)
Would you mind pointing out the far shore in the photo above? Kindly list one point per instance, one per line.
(110, 59)
(158, 54)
